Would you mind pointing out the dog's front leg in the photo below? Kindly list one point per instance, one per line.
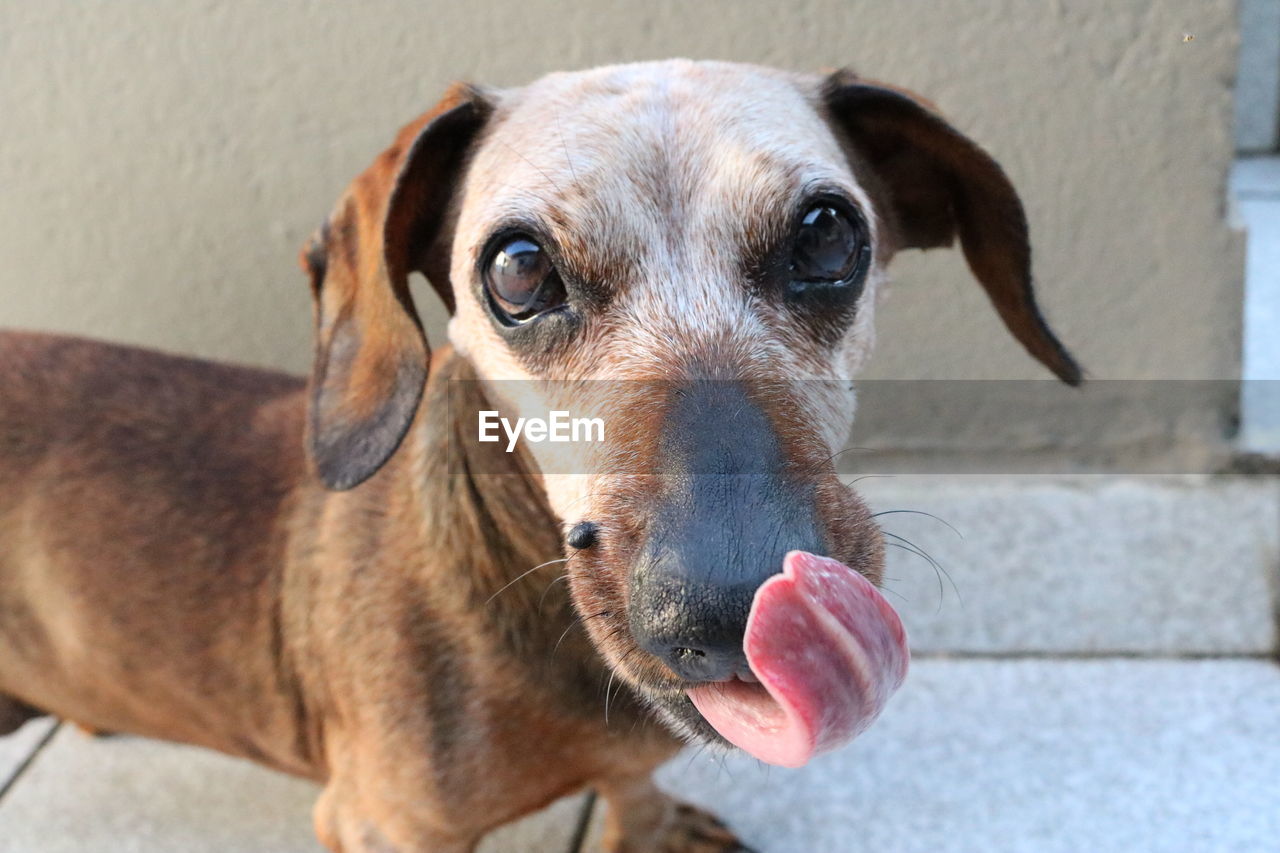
(345, 824)
(642, 819)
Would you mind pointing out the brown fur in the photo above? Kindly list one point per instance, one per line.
(170, 568)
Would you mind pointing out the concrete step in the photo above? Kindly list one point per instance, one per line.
(1084, 565)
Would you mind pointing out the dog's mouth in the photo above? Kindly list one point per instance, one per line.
(828, 651)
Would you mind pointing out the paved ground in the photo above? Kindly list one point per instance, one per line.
(1099, 678)
(1100, 755)
(995, 755)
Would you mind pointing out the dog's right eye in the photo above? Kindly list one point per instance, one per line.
(831, 249)
(521, 281)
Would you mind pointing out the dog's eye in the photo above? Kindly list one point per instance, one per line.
(522, 281)
(831, 248)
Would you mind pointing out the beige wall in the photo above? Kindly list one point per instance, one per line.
(161, 162)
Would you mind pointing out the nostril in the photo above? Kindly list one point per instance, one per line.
(692, 664)
(696, 633)
(705, 664)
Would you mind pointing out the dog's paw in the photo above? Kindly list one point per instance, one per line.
(692, 830)
(642, 819)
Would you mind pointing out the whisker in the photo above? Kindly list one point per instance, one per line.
(938, 568)
(564, 145)
(612, 673)
(724, 766)
(574, 621)
(941, 521)
(536, 167)
(524, 575)
(895, 593)
(554, 581)
(911, 550)
(818, 465)
(931, 559)
(870, 477)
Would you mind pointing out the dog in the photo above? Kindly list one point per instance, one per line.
(332, 577)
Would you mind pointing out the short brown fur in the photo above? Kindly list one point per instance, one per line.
(243, 628)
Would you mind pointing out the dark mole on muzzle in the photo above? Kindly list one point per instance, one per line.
(726, 515)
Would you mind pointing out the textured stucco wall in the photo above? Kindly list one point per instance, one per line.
(161, 162)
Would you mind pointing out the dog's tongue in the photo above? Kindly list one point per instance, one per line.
(829, 652)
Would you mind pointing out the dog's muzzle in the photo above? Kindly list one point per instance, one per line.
(725, 517)
(784, 652)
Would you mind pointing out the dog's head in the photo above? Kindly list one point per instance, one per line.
(707, 241)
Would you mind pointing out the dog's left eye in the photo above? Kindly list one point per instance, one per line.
(521, 280)
(831, 248)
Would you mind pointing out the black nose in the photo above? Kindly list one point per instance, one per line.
(695, 629)
(693, 587)
(725, 517)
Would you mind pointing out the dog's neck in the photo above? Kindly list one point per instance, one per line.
(495, 544)
(485, 508)
(481, 563)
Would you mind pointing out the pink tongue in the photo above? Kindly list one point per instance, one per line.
(829, 652)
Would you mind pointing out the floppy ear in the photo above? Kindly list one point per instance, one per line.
(371, 356)
(940, 184)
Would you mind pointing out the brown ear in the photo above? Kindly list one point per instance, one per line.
(940, 184)
(371, 355)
